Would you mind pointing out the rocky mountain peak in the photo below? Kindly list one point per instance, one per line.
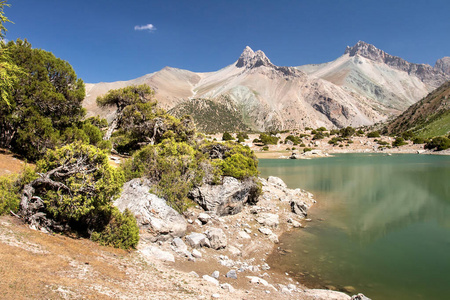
(443, 65)
(432, 76)
(366, 50)
(250, 59)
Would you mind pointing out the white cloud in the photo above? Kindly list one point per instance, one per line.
(148, 27)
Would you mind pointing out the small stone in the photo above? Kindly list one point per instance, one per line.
(273, 238)
(247, 230)
(211, 280)
(215, 274)
(204, 218)
(196, 253)
(265, 230)
(194, 274)
(227, 286)
(217, 238)
(244, 235)
(198, 222)
(291, 287)
(232, 274)
(234, 251)
(215, 296)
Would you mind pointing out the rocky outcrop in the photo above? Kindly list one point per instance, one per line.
(227, 198)
(429, 75)
(153, 215)
(443, 65)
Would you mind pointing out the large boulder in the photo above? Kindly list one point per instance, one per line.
(227, 198)
(299, 207)
(160, 221)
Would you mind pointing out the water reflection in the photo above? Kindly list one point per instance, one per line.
(386, 227)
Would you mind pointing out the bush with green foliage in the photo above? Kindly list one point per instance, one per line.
(227, 136)
(176, 168)
(319, 136)
(438, 143)
(382, 143)
(294, 139)
(321, 129)
(306, 150)
(268, 139)
(335, 140)
(399, 141)
(374, 134)
(347, 132)
(46, 99)
(120, 232)
(75, 192)
(11, 187)
(419, 140)
(241, 137)
(334, 132)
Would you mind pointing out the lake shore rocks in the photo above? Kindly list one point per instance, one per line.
(230, 238)
(157, 220)
(227, 198)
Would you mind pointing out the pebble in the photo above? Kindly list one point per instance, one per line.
(232, 274)
(215, 296)
(215, 274)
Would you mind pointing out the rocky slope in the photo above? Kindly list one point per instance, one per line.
(362, 87)
(389, 80)
(428, 117)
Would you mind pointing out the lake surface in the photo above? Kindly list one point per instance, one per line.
(381, 224)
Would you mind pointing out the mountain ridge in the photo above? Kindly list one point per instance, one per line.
(335, 94)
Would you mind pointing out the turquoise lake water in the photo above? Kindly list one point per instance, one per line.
(381, 224)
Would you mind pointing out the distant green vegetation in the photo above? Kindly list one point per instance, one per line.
(373, 134)
(439, 143)
(294, 139)
(213, 115)
(268, 139)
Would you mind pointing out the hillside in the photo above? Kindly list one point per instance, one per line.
(427, 118)
(362, 87)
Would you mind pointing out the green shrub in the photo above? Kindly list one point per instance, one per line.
(227, 136)
(318, 136)
(418, 140)
(241, 137)
(399, 141)
(347, 132)
(382, 143)
(294, 139)
(306, 150)
(334, 131)
(438, 143)
(265, 148)
(321, 129)
(268, 139)
(373, 134)
(121, 231)
(239, 166)
(11, 187)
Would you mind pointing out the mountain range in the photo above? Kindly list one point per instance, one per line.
(362, 87)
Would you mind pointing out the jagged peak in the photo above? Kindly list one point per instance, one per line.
(443, 64)
(366, 50)
(250, 59)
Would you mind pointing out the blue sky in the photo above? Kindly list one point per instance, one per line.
(100, 39)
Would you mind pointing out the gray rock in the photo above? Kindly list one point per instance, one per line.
(179, 244)
(273, 238)
(233, 250)
(153, 252)
(152, 213)
(227, 286)
(196, 253)
(204, 218)
(360, 297)
(215, 274)
(194, 274)
(227, 198)
(217, 238)
(215, 296)
(276, 181)
(265, 230)
(257, 280)
(244, 235)
(197, 240)
(210, 279)
(268, 219)
(299, 207)
(232, 274)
